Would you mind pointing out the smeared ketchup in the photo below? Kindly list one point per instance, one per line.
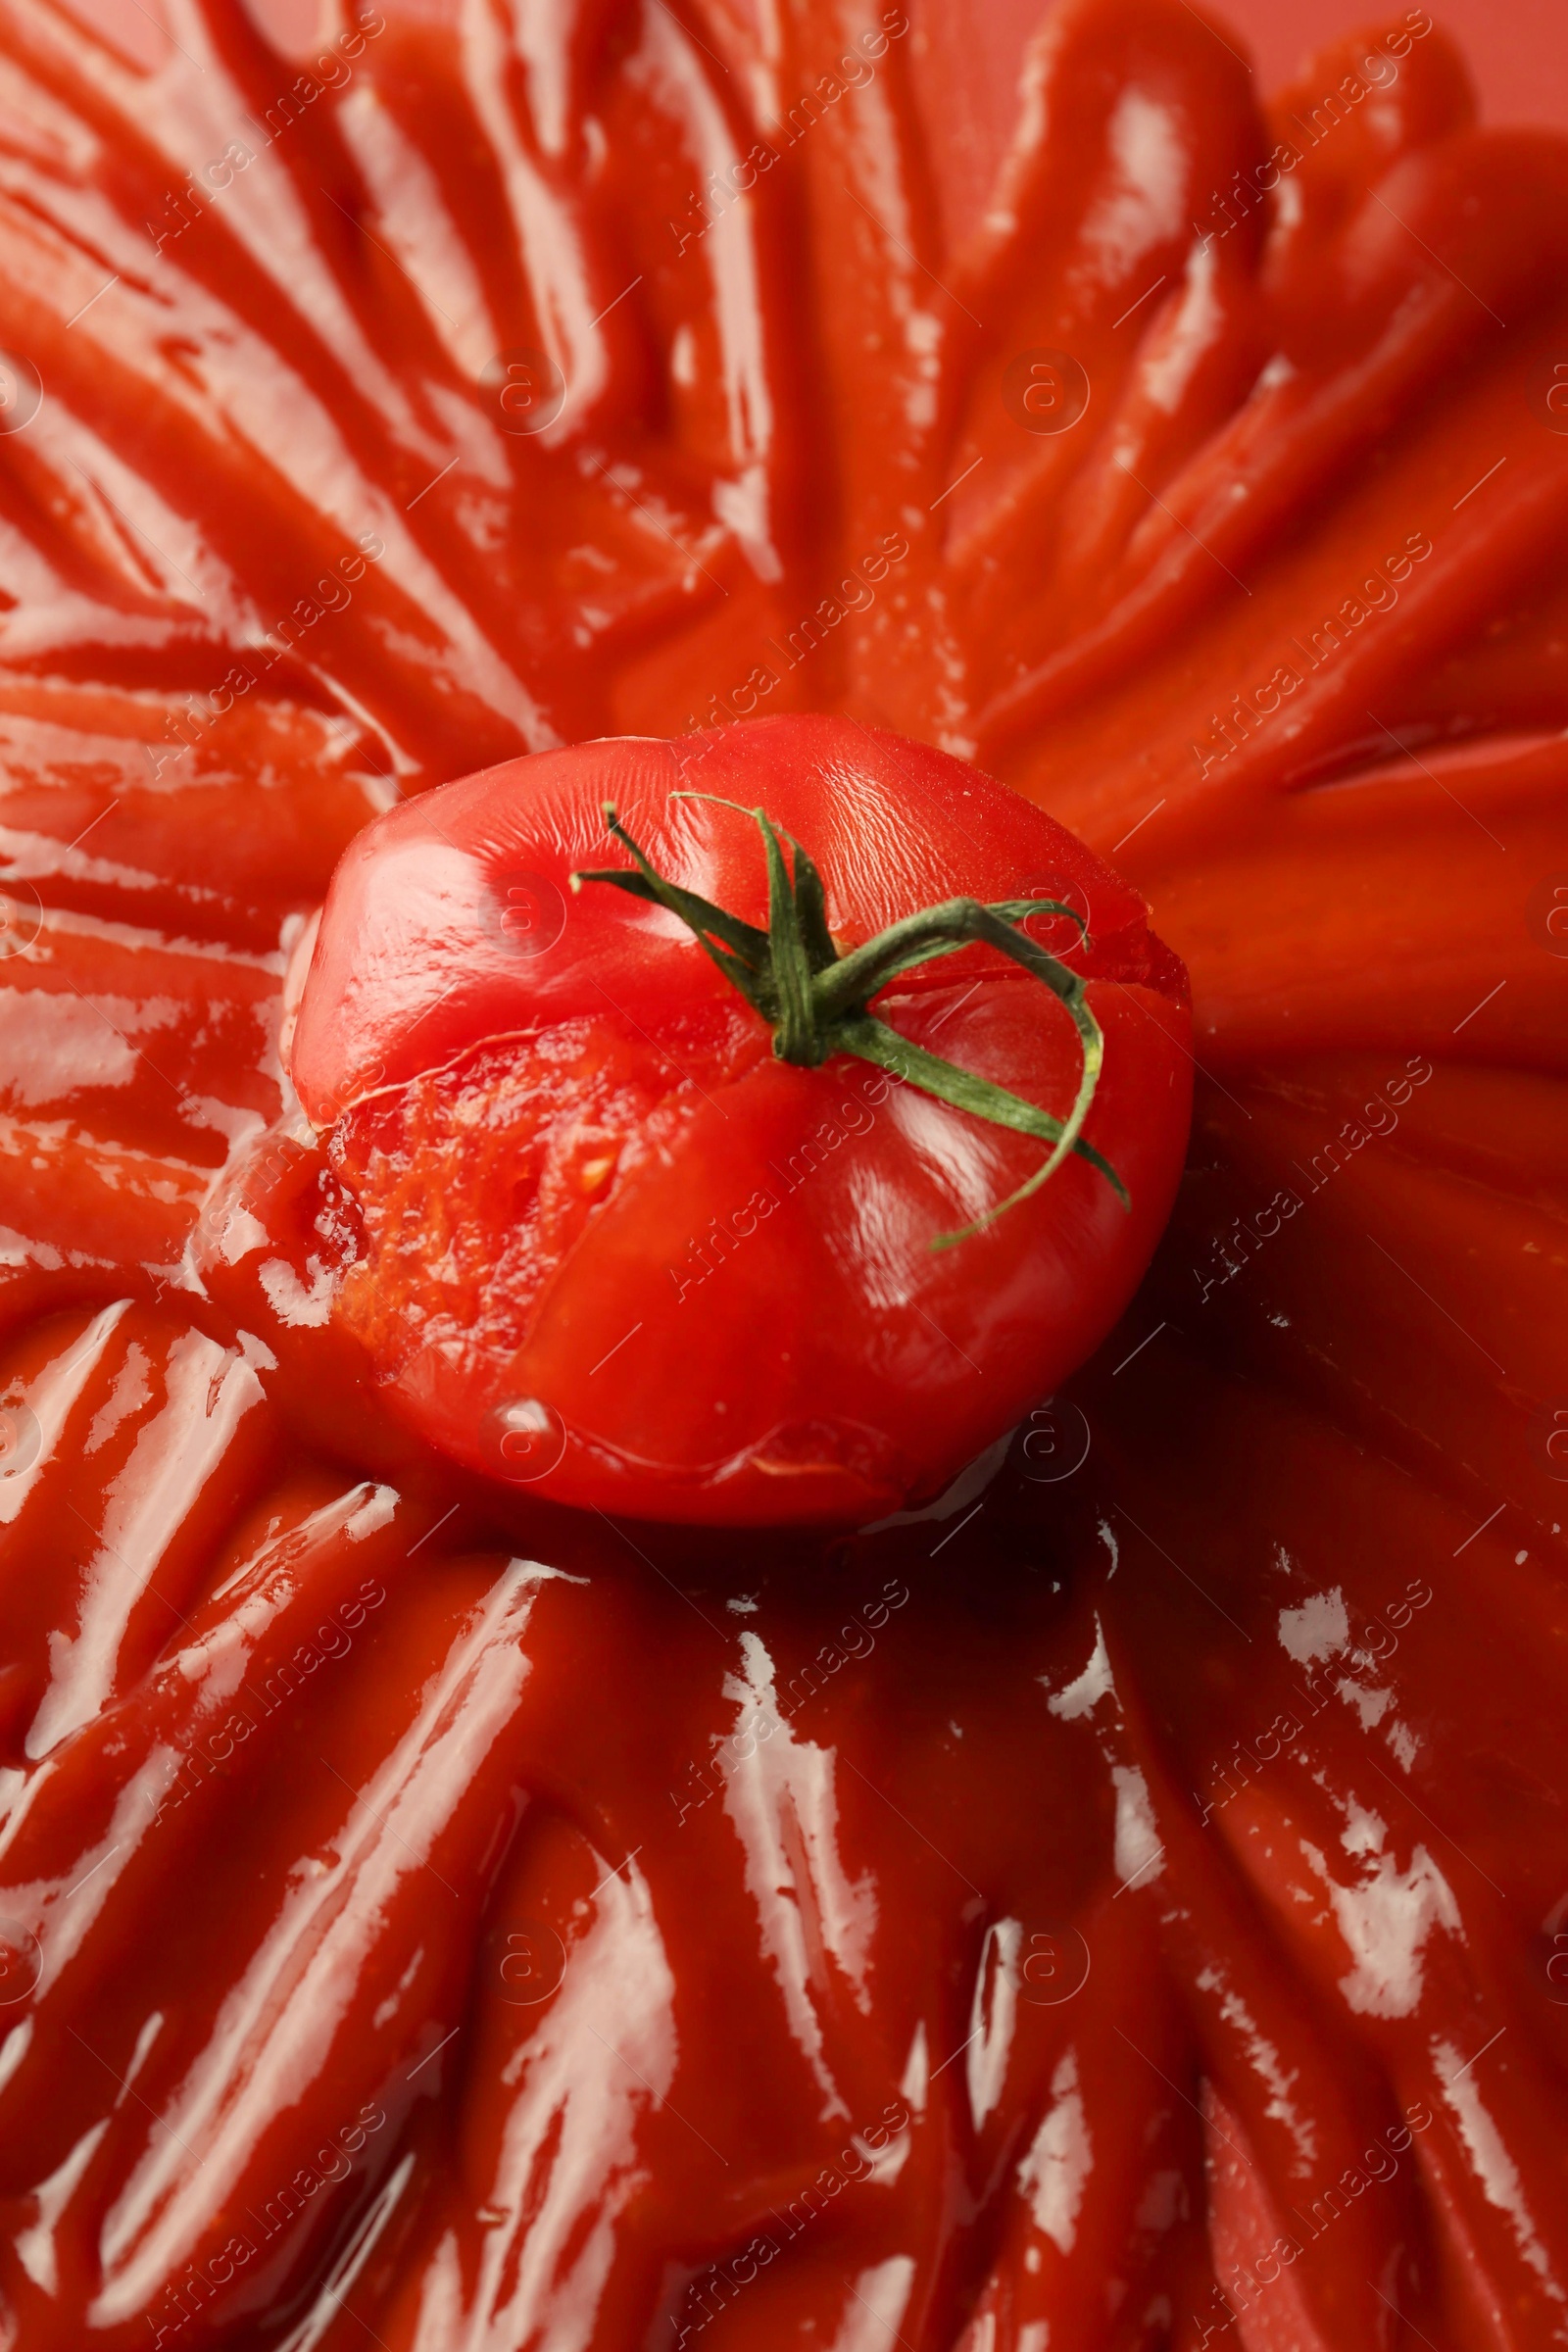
(1125, 1904)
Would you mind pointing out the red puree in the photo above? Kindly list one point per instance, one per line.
(1130, 1910)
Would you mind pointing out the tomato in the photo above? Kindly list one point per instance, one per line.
(614, 1235)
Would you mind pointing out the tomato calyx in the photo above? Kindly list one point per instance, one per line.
(816, 1001)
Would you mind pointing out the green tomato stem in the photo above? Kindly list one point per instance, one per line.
(816, 1001)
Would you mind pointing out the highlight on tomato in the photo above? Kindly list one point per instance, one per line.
(746, 1130)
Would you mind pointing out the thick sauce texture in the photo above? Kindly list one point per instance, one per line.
(1124, 1909)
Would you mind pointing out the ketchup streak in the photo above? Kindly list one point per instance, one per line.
(1126, 1909)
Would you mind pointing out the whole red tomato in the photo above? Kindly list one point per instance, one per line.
(685, 1229)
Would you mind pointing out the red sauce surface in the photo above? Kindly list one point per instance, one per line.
(1131, 1910)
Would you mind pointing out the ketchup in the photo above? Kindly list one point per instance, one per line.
(1124, 1905)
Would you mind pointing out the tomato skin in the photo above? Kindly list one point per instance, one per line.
(751, 1325)
(415, 960)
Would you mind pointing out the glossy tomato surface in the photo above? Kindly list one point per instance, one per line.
(1126, 1906)
(598, 1239)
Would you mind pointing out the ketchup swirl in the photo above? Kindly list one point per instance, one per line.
(1124, 1906)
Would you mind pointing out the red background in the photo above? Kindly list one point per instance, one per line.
(1517, 51)
(967, 55)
